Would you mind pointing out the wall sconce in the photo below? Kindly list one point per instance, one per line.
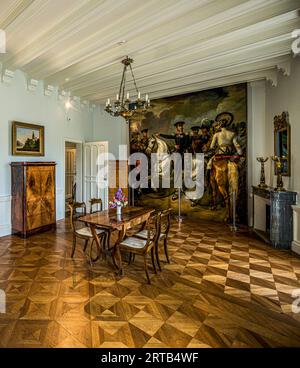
(68, 105)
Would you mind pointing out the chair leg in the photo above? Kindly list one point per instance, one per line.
(129, 258)
(102, 243)
(85, 245)
(153, 260)
(166, 249)
(146, 268)
(104, 239)
(157, 256)
(114, 260)
(74, 246)
(91, 250)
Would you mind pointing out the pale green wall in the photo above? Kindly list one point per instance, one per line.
(17, 103)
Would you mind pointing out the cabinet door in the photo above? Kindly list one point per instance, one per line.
(40, 196)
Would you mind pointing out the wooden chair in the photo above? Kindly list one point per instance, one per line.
(165, 224)
(81, 232)
(162, 234)
(96, 202)
(142, 247)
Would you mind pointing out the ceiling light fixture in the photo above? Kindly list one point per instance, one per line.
(123, 106)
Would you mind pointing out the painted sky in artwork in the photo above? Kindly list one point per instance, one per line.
(194, 107)
(24, 133)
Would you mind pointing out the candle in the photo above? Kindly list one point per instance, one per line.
(108, 101)
(139, 95)
(117, 97)
(127, 96)
(147, 97)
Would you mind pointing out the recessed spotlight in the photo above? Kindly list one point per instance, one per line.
(67, 79)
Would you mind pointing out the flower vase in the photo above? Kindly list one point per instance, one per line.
(119, 210)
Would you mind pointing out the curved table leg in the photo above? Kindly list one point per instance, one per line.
(120, 265)
(98, 244)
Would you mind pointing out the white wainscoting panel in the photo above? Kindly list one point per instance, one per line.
(296, 219)
(5, 219)
(60, 204)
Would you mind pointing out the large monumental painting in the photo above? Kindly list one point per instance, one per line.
(212, 122)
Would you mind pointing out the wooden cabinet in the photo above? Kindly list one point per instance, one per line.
(33, 197)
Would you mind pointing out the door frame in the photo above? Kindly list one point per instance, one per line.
(79, 173)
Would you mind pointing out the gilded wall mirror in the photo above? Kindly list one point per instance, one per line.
(282, 142)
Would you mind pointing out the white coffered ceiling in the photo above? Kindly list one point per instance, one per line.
(178, 45)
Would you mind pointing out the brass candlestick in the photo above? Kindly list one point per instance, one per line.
(262, 183)
(279, 165)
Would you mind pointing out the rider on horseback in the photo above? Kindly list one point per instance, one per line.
(224, 142)
(223, 165)
(182, 141)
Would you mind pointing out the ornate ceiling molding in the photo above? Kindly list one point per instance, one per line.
(74, 45)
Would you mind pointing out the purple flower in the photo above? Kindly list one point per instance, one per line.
(119, 194)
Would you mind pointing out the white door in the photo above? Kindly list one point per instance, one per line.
(96, 172)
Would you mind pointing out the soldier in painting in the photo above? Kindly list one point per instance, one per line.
(135, 142)
(225, 141)
(144, 139)
(224, 173)
(182, 140)
(204, 135)
(196, 139)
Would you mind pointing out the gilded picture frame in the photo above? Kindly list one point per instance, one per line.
(28, 139)
(282, 142)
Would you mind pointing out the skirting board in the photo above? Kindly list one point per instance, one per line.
(296, 247)
(5, 230)
(5, 227)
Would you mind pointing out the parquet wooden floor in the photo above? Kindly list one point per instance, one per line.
(220, 290)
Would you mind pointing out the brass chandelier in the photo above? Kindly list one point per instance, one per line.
(123, 106)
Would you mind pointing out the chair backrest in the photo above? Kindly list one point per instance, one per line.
(153, 228)
(74, 215)
(165, 221)
(74, 192)
(94, 202)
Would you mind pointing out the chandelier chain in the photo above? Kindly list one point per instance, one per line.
(133, 79)
(122, 83)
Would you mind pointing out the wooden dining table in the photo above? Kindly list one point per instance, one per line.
(109, 221)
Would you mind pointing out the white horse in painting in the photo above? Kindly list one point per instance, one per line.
(160, 147)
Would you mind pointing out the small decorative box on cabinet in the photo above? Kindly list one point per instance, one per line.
(33, 197)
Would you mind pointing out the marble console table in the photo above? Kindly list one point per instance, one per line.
(273, 216)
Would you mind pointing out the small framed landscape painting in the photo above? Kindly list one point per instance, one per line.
(28, 139)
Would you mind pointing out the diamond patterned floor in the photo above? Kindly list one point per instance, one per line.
(220, 290)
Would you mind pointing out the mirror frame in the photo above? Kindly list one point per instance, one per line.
(281, 123)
